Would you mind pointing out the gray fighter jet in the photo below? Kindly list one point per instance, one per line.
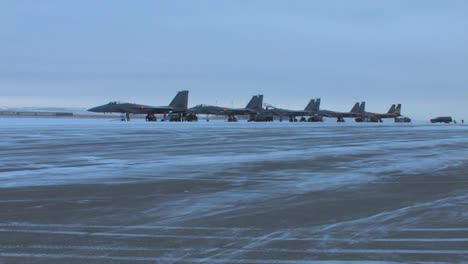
(393, 112)
(260, 114)
(292, 114)
(251, 109)
(339, 115)
(178, 106)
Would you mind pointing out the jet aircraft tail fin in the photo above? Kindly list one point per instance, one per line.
(317, 105)
(256, 103)
(311, 106)
(398, 110)
(180, 102)
(252, 103)
(392, 109)
(259, 104)
(355, 108)
(362, 108)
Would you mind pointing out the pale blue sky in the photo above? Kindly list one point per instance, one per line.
(84, 53)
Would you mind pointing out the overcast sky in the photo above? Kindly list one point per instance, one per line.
(85, 53)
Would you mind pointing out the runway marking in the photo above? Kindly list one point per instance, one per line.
(192, 260)
(442, 229)
(130, 235)
(232, 237)
(56, 199)
(415, 182)
(420, 240)
(242, 249)
(410, 229)
(128, 227)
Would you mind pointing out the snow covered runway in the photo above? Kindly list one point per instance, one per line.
(97, 191)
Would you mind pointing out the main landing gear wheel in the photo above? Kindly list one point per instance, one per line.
(151, 118)
(176, 118)
(191, 118)
(315, 119)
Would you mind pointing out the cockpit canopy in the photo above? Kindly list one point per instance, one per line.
(200, 105)
(114, 103)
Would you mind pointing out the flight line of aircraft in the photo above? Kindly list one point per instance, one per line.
(178, 110)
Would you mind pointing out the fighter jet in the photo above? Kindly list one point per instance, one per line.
(393, 112)
(260, 114)
(178, 106)
(250, 109)
(339, 115)
(292, 114)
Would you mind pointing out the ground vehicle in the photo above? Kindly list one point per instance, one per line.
(442, 119)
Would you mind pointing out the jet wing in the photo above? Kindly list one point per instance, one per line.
(218, 110)
(235, 111)
(147, 109)
(286, 112)
(328, 113)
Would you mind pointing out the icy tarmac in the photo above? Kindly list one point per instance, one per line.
(99, 191)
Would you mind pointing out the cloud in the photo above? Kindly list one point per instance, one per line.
(378, 51)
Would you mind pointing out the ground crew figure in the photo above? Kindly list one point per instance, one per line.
(463, 121)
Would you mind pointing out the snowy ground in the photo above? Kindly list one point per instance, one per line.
(99, 191)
